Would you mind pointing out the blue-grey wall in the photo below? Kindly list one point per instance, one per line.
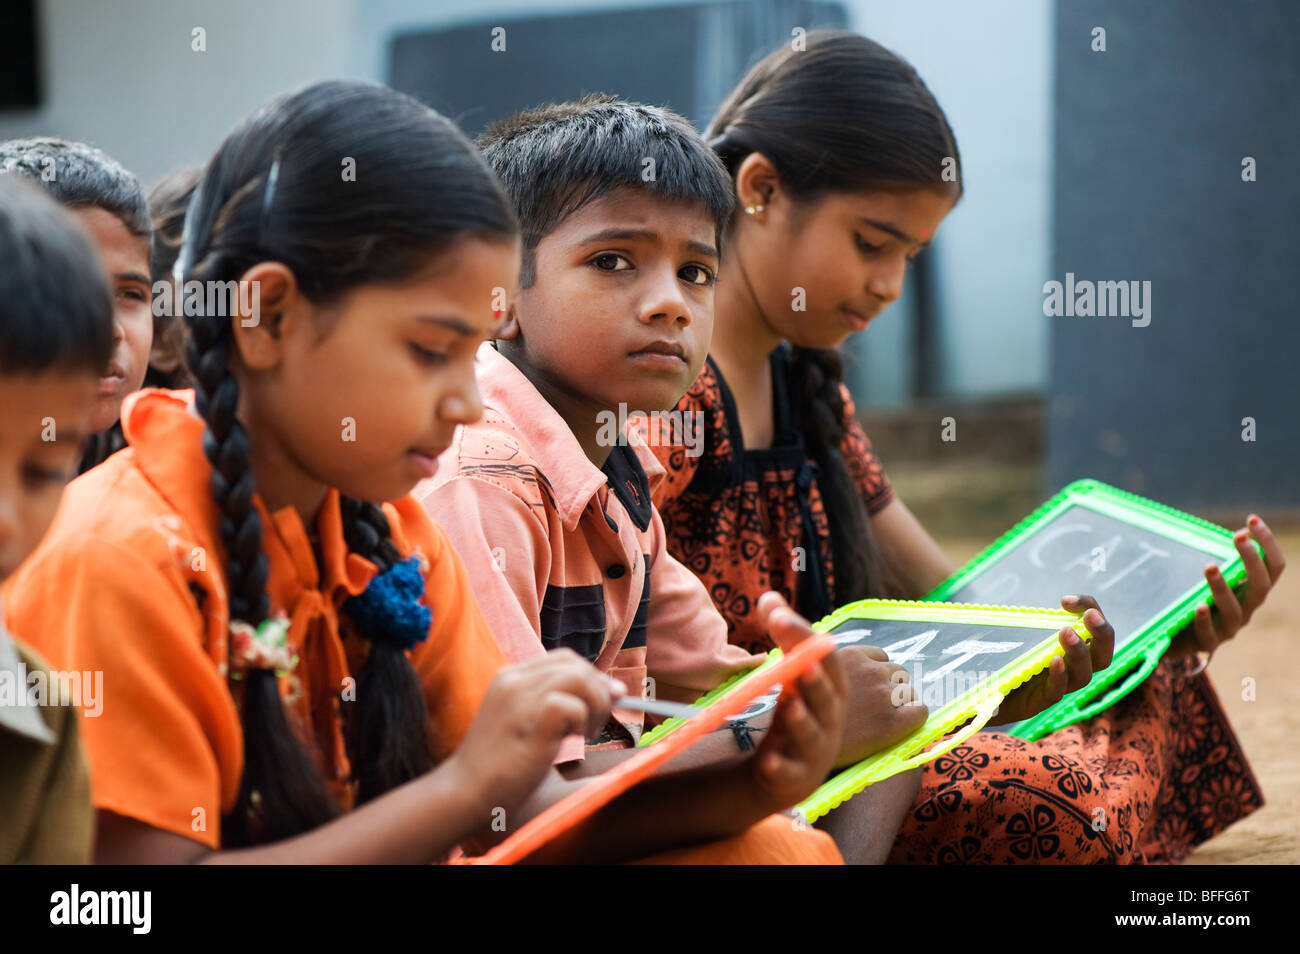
(1149, 142)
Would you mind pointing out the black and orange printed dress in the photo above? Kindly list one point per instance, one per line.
(1148, 780)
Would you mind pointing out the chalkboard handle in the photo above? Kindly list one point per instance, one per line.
(1152, 659)
(987, 709)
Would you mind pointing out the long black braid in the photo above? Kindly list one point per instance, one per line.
(282, 793)
(815, 377)
(389, 732)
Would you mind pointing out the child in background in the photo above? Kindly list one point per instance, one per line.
(111, 205)
(840, 210)
(168, 201)
(233, 571)
(56, 330)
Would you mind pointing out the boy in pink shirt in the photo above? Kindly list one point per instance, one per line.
(548, 498)
(562, 552)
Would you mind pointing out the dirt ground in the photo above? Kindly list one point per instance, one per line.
(1267, 651)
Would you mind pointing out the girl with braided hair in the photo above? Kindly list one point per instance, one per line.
(233, 571)
(844, 167)
(295, 668)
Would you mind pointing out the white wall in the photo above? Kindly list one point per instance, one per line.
(122, 75)
(991, 67)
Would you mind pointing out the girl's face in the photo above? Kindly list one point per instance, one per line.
(848, 252)
(126, 259)
(364, 394)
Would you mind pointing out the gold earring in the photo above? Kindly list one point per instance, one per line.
(751, 209)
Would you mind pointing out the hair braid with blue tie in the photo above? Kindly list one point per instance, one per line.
(388, 734)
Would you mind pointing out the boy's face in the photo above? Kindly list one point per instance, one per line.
(621, 308)
(126, 258)
(46, 417)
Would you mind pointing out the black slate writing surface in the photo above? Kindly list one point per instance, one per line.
(1133, 573)
(943, 659)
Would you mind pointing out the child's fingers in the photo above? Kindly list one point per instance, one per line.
(1203, 627)
(562, 714)
(1051, 688)
(1077, 604)
(1101, 648)
(768, 603)
(1077, 660)
(1230, 612)
(1272, 552)
(786, 627)
(1258, 582)
(800, 726)
(565, 671)
(778, 770)
(820, 695)
(838, 673)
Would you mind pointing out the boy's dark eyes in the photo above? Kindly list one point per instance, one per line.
(706, 277)
(609, 259)
(695, 274)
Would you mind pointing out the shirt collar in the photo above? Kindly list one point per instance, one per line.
(575, 480)
(19, 718)
(166, 436)
(627, 478)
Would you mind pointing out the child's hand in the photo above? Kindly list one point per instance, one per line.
(883, 706)
(528, 710)
(1065, 673)
(1207, 632)
(808, 726)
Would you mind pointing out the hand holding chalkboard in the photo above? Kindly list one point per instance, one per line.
(1210, 629)
(882, 705)
(1144, 562)
(1068, 673)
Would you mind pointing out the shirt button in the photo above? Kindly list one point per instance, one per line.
(612, 525)
(615, 571)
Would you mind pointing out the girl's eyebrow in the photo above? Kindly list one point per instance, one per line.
(133, 277)
(455, 324)
(895, 231)
(610, 234)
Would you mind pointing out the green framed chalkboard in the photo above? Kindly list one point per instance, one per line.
(1143, 561)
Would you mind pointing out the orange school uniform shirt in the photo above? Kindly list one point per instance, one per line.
(564, 553)
(130, 581)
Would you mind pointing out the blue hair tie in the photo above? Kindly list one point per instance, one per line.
(389, 610)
